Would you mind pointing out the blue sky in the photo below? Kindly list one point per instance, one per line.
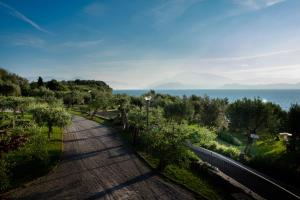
(142, 43)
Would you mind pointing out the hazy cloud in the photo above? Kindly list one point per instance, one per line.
(170, 10)
(257, 4)
(82, 44)
(95, 9)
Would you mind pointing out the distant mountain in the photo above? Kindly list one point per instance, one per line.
(262, 86)
(192, 80)
(118, 85)
(172, 86)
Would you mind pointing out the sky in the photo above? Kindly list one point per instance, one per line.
(143, 43)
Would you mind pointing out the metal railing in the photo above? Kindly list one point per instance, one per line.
(250, 178)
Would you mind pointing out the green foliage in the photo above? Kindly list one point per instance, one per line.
(54, 85)
(123, 103)
(226, 150)
(36, 148)
(210, 112)
(50, 116)
(227, 137)
(40, 82)
(26, 153)
(251, 117)
(73, 97)
(4, 175)
(42, 92)
(192, 181)
(100, 101)
(9, 89)
(168, 142)
(201, 135)
(12, 84)
(178, 111)
(294, 127)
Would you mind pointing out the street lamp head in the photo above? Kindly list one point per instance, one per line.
(148, 98)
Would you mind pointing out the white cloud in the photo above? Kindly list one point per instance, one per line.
(170, 10)
(22, 40)
(257, 4)
(269, 54)
(19, 15)
(82, 44)
(29, 41)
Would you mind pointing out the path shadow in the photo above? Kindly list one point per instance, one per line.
(88, 154)
(137, 179)
(80, 172)
(92, 128)
(92, 137)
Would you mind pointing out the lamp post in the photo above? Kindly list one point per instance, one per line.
(148, 99)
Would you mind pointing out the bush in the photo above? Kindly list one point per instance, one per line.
(231, 152)
(201, 135)
(36, 149)
(4, 175)
(227, 137)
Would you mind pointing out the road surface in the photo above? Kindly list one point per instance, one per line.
(96, 165)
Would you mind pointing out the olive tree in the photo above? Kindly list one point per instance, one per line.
(178, 111)
(50, 116)
(100, 101)
(249, 116)
(123, 103)
(168, 142)
(15, 104)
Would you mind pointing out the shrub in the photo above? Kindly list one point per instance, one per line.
(227, 137)
(36, 149)
(4, 175)
(231, 152)
(201, 135)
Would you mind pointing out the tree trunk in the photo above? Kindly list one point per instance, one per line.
(249, 143)
(49, 130)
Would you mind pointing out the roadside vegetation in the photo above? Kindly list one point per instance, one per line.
(33, 115)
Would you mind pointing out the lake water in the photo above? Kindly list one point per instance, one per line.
(282, 97)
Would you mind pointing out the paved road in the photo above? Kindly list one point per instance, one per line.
(96, 165)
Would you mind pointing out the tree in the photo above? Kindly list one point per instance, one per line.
(123, 103)
(210, 112)
(137, 122)
(42, 92)
(168, 142)
(248, 116)
(73, 97)
(294, 125)
(9, 89)
(50, 116)
(178, 111)
(15, 104)
(40, 82)
(54, 85)
(100, 101)
(136, 101)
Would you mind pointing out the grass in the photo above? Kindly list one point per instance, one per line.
(268, 148)
(201, 183)
(36, 158)
(27, 170)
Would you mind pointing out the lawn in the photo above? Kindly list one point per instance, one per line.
(28, 169)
